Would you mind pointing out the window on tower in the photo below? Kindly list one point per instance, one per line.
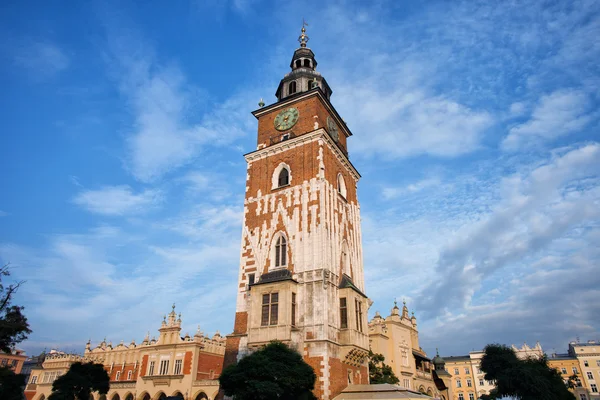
(284, 177)
(307, 63)
(341, 185)
(281, 252)
(298, 63)
(292, 87)
(270, 309)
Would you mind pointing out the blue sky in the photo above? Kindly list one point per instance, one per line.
(475, 131)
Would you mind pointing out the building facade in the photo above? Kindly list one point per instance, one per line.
(13, 360)
(588, 355)
(172, 365)
(301, 271)
(570, 370)
(468, 382)
(396, 337)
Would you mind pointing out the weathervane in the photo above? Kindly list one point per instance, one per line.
(303, 37)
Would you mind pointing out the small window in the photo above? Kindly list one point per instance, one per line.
(298, 63)
(129, 375)
(461, 396)
(582, 397)
(284, 177)
(118, 376)
(458, 383)
(307, 63)
(469, 383)
(34, 379)
(292, 87)
(481, 382)
(594, 388)
(341, 185)
(151, 368)
(164, 367)
(586, 364)
(343, 313)
(281, 252)
(285, 137)
(270, 309)
(250, 279)
(466, 370)
(293, 309)
(590, 375)
(471, 396)
(359, 313)
(456, 372)
(177, 369)
(563, 370)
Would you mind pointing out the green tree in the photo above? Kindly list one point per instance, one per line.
(11, 384)
(13, 324)
(13, 329)
(80, 381)
(273, 372)
(380, 372)
(528, 379)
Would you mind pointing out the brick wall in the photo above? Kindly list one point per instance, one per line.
(207, 363)
(315, 363)
(144, 365)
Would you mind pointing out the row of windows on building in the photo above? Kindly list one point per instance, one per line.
(270, 311)
(283, 179)
(293, 86)
(164, 368)
(4, 362)
(469, 382)
(461, 396)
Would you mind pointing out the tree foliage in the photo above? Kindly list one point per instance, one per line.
(80, 381)
(11, 384)
(380, 372)
(528, 379)
(13, 324)
(273, 372)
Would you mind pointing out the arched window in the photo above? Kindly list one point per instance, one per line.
(292, 87)
(307, 63)
(281, 252)
(284, 178)
(298, 63)
(341, 185)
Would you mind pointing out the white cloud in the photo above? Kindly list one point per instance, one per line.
(394, 192)
(557, 114)
(537, 208)
(41, 59)
(118, 200)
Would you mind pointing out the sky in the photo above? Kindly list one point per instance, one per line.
(476, 130)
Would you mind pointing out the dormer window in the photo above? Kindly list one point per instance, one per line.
(292, 87)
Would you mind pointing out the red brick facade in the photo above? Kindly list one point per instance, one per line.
(209, 366)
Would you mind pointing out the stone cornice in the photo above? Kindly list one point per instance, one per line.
(318, 134)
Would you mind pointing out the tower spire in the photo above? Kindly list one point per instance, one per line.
(303, 38)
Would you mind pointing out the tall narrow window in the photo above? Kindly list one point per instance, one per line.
(250, 279)
(164, 367)
(292, 87)
(118, 376)
(129, 373)
(281, 252)
(298, 64)
(284, 177)
(293, 309)
(151, 368)
(358, 310)
(34, 379)
(341, 186)
(343, 313)
(270, 309)
(307, 63)
(177, 369)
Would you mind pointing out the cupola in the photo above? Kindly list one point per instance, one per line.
(304, 76)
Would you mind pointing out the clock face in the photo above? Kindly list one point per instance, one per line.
(332, 128)
(286, 119)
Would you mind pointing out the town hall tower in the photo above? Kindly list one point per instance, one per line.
(301, 275)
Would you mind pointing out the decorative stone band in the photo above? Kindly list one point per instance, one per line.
(318, 134)
(206, 382)
(122, 385)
